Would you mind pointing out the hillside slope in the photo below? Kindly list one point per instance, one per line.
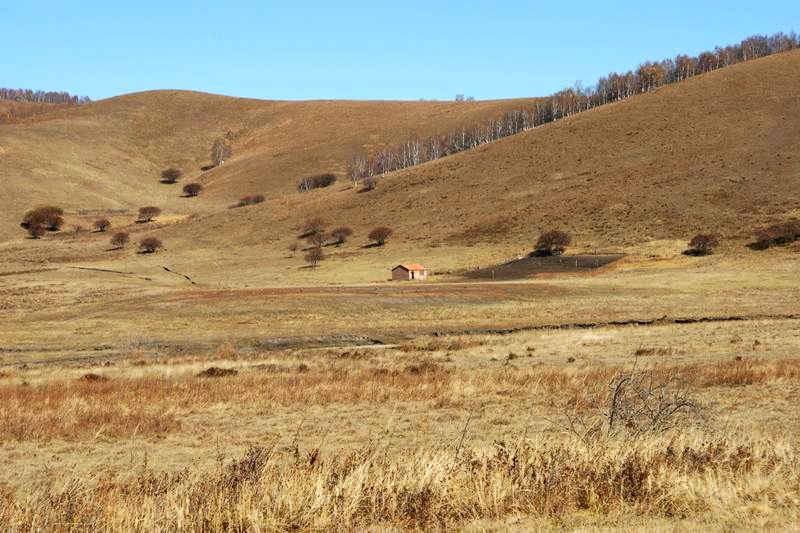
(108, 155)
(718, 152)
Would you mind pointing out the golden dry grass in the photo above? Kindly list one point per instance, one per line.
(445, 433)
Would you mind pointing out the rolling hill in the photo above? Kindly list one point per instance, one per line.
(718, 152)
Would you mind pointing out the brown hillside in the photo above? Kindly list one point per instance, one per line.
(108, 155)
(718, 152)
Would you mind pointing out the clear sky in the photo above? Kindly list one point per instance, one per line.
(361, 50)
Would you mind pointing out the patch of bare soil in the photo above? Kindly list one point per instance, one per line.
(531, 266)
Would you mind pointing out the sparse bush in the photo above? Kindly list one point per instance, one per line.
(316, 182)
(217, 372)
(48, 217)
(341, 234)
(36, 230)
(102, 225)
(192, 189)
(171, 175)
(221, 150)
(250, 200)
(317, 239)
(150, 245)
(313, 225)
(120, 239)
(369, 184)
(777, 235)
(552, 242)
(293, 247)
(380, 234)
(146, 214)
(314, 256)
(703, 244)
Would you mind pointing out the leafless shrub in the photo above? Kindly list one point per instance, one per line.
(380, 234)
(148, 213)
(120, 239)
(635, 403)
(552, 242)
(369, 184)
(777, 235)
(192, 189)
(703, 244)
(316, 182)
(313, 225)
(250, 200)
(171, 175)
(341, 234)
(102, 225)
(93, 378)
(217, 372)
(150, 245)
(314, 256)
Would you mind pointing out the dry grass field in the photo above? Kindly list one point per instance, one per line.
(223, 384)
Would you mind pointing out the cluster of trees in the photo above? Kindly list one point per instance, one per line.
(42, 97)
(171, 176)
(46, 218)
(616, 86)
(221, 151)
(51, 218)
(316, 182)
(314, 231)
(777, 235)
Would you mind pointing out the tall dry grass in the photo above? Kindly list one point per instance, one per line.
(559, 481)
(151, 404)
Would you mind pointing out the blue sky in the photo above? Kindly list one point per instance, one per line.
(360, 50)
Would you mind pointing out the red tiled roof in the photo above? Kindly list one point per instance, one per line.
(411, 267)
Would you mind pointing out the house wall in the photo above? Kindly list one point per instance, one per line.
(401, 274)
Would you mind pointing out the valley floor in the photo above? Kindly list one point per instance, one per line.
(104, 419)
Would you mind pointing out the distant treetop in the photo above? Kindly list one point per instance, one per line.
(46, 97)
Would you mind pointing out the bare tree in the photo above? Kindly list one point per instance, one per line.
(120, 239)
(102, 224)
(313, 225)
(221, 151)
(314, 256)
(552, 242)
(150, 245)
(148, 213)
(341, 234)
(703, 244)
(380, 234)
(192, 189)
(171, 175)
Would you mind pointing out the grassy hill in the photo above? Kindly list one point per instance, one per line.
(718, 152)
